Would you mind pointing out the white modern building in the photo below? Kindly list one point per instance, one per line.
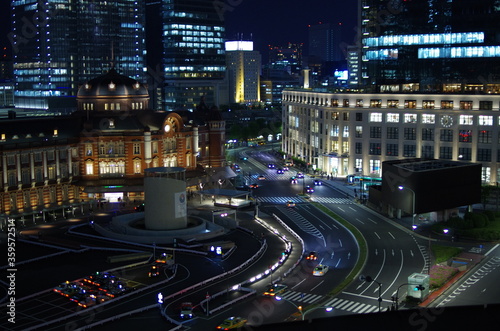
(346, 134)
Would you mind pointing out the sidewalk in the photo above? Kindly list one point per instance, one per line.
(474, 259)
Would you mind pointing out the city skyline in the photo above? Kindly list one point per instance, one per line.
(257, 21)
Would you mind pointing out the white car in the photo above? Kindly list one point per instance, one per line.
(320, 270)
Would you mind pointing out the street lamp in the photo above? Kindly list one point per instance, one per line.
(397, 295)
(300, 308)
(413, 226)
(369, 279)
(417, 287)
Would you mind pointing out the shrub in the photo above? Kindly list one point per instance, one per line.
(490, 215)
(440, 274)
(444, 253)
(480, 220)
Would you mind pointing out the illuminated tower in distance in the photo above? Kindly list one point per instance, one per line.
(243, 71)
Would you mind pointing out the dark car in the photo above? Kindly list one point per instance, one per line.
(139, 207)
(309, 189)
(312, 256)
(317, 182)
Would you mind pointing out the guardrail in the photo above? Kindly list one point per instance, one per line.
(293, 233)
(231, 302)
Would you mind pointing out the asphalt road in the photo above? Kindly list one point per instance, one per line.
(394, 253)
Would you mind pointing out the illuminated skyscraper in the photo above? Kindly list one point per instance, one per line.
(435, 45)
(243, 70)
(59, 44)
(194, 57)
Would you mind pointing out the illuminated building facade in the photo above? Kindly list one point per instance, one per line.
(49, 164)
(194, 58)
(59, 44)
(430, 46)
(344, 134)
(243, 72)
(286, 58)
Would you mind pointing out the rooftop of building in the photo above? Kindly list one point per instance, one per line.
(419, 165)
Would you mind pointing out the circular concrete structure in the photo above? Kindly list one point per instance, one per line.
(165, 194)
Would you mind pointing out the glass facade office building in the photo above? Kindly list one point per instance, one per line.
(430, 46)
(59, 44)
(194, 55)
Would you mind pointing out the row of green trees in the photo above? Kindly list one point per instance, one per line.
(259, 127)
(484, 225)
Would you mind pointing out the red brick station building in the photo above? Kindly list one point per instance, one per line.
(53, 165)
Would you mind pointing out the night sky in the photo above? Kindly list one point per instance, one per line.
(275, 22)
(4, 24)
(278, 22)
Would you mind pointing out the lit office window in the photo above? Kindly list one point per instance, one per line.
(392, 118)
(359, 165)
(410, 118)
(485, 174)
(375, 117)
(345, 132)
(485, 120)
(359, 132)
(466, 105)
(466, 120)
(392, 103)
(428, 104)
(375, 167)
(376, 103)
(412, 104)
(89, 168)
(335, 131)
(428, 119)
(446, 104)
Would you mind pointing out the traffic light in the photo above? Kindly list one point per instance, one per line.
(418, 288)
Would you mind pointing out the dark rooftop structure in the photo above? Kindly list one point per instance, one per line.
(417, 186)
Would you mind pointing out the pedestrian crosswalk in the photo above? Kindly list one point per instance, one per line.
(298, 199)
(336, 303)
(281, 200)
(301, 297)
(351, 306)
(332, 200)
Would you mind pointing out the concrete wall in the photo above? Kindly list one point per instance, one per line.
(166, 203)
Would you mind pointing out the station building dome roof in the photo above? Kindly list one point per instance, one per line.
(113, 84)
